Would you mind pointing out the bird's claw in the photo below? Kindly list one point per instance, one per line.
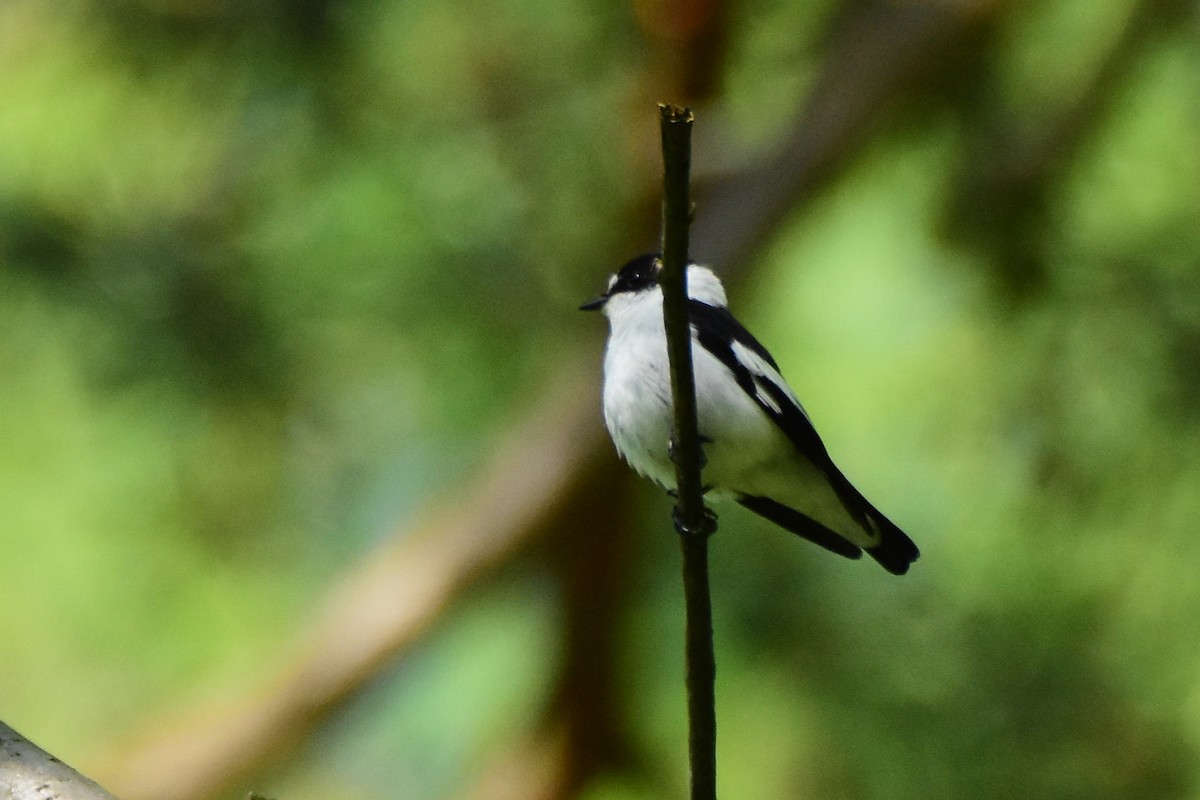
(705, 489)
(673, 450)
(706, 528)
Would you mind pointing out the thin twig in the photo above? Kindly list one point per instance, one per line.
(692, 519)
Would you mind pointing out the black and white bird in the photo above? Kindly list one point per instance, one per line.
(761, 448)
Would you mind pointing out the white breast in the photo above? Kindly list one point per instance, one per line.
(747, 453)
(638, 410)
(637, 385)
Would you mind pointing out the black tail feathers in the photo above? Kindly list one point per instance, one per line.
(800, 525)
(895, 551)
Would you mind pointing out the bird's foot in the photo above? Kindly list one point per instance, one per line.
(705, 489)
(706, 528)
(673, 450)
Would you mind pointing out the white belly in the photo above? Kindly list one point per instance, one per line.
(747, 453)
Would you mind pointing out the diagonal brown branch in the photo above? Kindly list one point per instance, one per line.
(869, 64)
(382, 606)
(878, 52)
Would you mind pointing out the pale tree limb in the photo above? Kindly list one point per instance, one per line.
(28, 772)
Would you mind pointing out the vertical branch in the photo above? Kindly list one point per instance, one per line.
(693, 521)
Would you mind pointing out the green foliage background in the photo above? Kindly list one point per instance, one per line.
(274, 275)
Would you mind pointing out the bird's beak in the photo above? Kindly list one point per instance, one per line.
(595, 304)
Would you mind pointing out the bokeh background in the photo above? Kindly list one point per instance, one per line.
(303, 486)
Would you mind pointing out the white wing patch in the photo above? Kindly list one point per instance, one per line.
(706, 287)
(764, 374)
(764, 397)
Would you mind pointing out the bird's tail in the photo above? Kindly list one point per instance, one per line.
(801, 525)
(895, 551)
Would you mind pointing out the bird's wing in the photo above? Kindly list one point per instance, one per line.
(757, 373)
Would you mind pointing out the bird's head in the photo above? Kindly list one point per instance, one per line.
(638, 280)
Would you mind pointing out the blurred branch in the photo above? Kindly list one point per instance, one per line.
(690, 39)
(535, 769)
(383, 605)
(999, 204)
(28, 772)
(592, 562)
(580, 734)
(873, 54)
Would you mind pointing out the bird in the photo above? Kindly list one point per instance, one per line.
(759, 445)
